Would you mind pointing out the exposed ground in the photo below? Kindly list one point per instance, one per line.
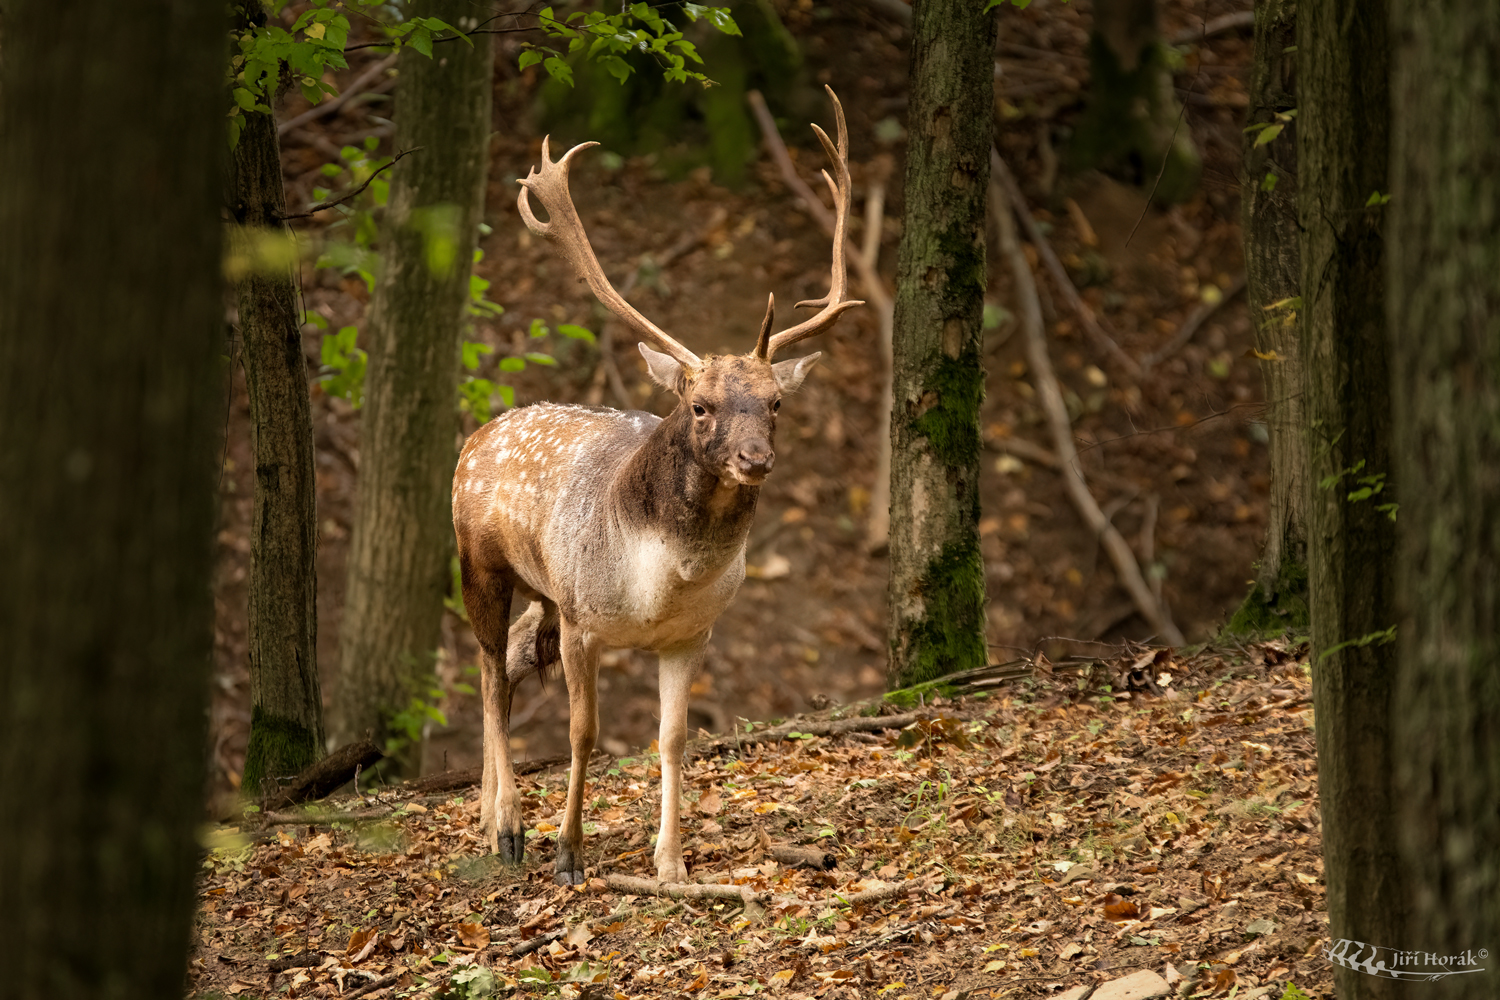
(1150, 812)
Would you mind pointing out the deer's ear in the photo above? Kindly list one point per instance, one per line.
(789, 374)
(665, 370)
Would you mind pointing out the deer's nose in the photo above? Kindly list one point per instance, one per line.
(756, 458)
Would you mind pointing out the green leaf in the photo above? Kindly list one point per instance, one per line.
(538, 330)
(616, 67)
(244, 98)
(558, 70)
(568, 330)
(1268, 133)
(473, 351)
(507, 395)
(541, 359)
(1268, 182)
(531, 57)
(421, 40)
(512, 364)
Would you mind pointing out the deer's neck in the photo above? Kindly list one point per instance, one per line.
(663, 489)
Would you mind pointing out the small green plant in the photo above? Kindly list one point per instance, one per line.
(1294, 992)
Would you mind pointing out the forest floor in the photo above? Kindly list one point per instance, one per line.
(1073, 829)
(1150, 815)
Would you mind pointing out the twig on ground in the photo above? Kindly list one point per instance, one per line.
(1091, 323)
(1190, 326)
(355, 88)
(537, 943)
(323, 819)
(325, 776)
(865, 259)
(813, 727)
(1062, 435)
(373, 985)
(803, 857)
(750, 898)
(447, 781)
(343, 198)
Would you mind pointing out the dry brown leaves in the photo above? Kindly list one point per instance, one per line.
(1072, 834)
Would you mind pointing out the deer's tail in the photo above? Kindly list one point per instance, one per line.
(534, 645)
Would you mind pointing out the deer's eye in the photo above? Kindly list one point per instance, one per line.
(775, 405)
(699, 411)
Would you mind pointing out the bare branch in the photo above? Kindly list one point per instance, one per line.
(340, 200)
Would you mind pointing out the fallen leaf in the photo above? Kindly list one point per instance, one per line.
(474, 935)
(710, 803)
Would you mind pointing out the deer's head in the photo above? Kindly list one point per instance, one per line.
(730, 400)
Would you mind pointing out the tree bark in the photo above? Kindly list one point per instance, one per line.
(1444, 310)
(1268, 200)
(1342, 155)
(403, 530)
(286, 725)
(111, 323)
(1133, 124)
(936, 600)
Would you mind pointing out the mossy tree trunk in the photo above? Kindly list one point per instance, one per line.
(1444, 311)
(1132, 125)
(111, 328)
(936, 601)
(286, 725)
(1342, 153)
(1278, 600)
(403, 531)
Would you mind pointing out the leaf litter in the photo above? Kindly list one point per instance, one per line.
(1151, 811)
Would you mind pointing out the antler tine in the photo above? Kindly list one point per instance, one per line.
(565, 230)
(835, 303)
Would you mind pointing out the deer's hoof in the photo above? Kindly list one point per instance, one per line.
(512, 847)
(672, 872)
(569, 865)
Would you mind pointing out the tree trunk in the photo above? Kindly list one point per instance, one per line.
(937, 577)
(1342, 154)
(1133, 125)
(403, 529)
(1278, 600)
(286, 725)
(111, 324)
(1444, 309)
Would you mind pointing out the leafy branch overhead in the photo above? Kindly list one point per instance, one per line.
(270, 55)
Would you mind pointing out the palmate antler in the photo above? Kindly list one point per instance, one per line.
(565, 230)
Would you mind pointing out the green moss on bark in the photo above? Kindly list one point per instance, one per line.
(951, 426)
(950, 635)
(279, 748)
(1263, 615)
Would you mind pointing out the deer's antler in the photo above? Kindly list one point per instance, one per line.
(565, 230)
(834, 304)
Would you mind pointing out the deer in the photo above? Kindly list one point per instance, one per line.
(620, 529)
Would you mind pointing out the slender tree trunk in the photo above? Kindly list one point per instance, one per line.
(1268, 199)
(286, 725)
(111, 320)
(403, 531)
(1342, 154)
(937, 577)
(1133, 124)
(1444, 309)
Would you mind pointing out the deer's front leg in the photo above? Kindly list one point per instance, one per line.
(580, 657)
(678, 668)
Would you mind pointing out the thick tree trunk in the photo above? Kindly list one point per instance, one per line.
(111, 323)
(286, 726)
(937, 578)
(1444, 310)
(1268, 199)
(1342, 155)
(1133, 124)
(403, 531)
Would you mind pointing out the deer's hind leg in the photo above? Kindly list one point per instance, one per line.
(487, 595)
(580, 657)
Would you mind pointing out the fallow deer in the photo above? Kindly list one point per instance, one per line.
(620, 529)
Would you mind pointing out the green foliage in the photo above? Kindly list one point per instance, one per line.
(1293, 992)
(1384, 637)
(472, 982)
(606, 38)
(1263, 616)
(1366, 487)
(343, 373)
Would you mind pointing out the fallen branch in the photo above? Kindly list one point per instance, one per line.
(1091, 323)
(537, 943)
(803, 857)
(373, 985)
(1190, 326)
(1062, 432)
(448, 781)
(865, 259)
(331, 105)
(637, 886)
(812, 727)
(323, 819)
(322, 778)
